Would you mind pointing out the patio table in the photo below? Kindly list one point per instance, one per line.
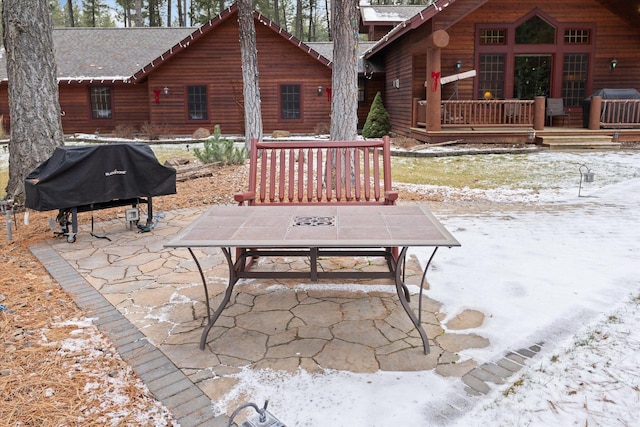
(314, 232)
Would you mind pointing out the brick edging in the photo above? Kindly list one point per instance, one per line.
(188, 404)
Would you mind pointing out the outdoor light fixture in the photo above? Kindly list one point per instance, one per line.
(132, 215)
(263, 419)
(6, 207)
(166, 91)
(319, 90)
(586, 176)
(613, 64)
(531, 135)
(458, 65)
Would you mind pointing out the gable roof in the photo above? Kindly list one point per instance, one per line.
(129, 54)
(216, 21)
(422, 16)
(626, 9)
(326, 50)
(109, 54)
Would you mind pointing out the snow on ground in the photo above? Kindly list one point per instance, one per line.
(541, 275)
(563, 270)
(591, 380)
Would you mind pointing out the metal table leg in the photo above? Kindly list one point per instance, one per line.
(402, 294)
(233, 279)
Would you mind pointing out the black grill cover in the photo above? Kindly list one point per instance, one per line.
(629, 93)
(85, 175)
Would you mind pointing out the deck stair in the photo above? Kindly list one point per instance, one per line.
(578, 142)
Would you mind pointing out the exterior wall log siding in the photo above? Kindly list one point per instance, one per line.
(613, 36)
(214, 61)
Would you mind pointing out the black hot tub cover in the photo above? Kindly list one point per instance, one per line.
(85, 175)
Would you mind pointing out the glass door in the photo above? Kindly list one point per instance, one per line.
(531, 76)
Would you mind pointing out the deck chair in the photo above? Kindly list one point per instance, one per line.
(511, 112)
(555, 108)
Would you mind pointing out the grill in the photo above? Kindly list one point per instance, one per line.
(87, 178)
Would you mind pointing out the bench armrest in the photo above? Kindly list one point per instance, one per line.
(243, 197)
(390, 197)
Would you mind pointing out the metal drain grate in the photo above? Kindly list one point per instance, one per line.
(314, 221)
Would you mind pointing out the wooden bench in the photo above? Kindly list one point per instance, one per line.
(296, 172)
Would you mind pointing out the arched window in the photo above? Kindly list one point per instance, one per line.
(535, 31)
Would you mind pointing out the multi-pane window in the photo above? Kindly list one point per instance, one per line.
(492, 36)
(197, 102)
(290, 101)
(574, 78)
(101, 102)
(491, 77)
(577, 36)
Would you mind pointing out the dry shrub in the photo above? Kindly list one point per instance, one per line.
(322, 128)
(124, 131)
(153, 131)
(404, 142)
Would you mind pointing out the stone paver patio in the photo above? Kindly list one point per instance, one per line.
(277, 324)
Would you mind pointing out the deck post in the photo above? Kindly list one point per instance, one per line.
(538, 112)
(435, 42)
(594, 112)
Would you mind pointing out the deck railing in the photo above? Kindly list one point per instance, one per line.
(614, 113)
(620, 113)
(506, 112)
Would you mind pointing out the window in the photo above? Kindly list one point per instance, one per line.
(101, 102)
(197, 102)
(491, 77)
(577, 36)
(290, 101)
(574, 78)
(361, 91)
(534, 56)
(492, 36)
(535, 31)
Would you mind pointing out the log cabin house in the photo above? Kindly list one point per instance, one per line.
(470, 70)
(492, 69)
(182, 79)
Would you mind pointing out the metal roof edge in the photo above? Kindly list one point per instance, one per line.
(410, 24)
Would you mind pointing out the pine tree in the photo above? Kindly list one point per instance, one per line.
(377, 124)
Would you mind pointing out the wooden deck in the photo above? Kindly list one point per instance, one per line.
(578, 137)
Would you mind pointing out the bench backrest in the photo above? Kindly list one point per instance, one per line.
(298, 172)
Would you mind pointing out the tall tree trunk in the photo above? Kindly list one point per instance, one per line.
(36, 127)
(251, 87)
(313, 11)
(180, 14)
(327, 16)
(152, 13)
(93, 13)
(298, 26)
(70, 12)
(138, 13)
(276, 12)
(344, 79)
(169, 7)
